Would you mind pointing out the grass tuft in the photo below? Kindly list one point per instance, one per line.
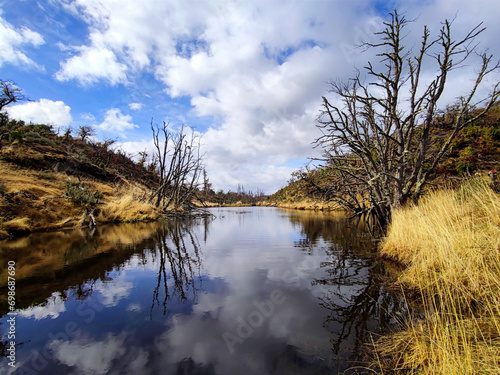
(127, 206)
(16, 225)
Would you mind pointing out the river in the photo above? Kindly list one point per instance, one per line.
(253, 290)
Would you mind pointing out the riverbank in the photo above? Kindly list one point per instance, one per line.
(304, 204)
(42, 200)
(450, 247)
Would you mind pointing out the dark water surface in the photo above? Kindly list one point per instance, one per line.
(253, 291)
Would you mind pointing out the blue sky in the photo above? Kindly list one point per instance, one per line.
(248, 75)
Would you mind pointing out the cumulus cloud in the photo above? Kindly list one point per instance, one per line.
(258, 69)
(91, 65)
(116, 121)
(238, 62)
(43, 111)
(13, 43)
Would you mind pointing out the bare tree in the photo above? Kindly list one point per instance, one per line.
(378, 142)
(143, 157)
(179, 166)
(86, 131)
(10, 93)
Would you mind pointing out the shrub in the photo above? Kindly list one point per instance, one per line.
(34, 137)
(78, 193)
(43, 130)
(15, 135)
(493, 134)
(464, 167)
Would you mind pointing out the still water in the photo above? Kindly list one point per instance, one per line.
(251, 291)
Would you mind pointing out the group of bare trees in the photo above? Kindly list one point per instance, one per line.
(378, 142)
(178, 160)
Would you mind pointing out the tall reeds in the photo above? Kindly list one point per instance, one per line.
(450, 245)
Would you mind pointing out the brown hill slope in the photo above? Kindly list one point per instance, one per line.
(49, 181)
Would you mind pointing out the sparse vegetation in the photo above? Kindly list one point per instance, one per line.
(177, 159)
(475, 150)
(240, 197)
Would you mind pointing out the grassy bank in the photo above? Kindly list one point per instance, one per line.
(34, 200)
(303, 204)
(450, 247)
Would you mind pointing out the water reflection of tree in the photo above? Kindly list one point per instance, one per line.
(177, 250)
(358, 303)
(357, 300)
(332, 228)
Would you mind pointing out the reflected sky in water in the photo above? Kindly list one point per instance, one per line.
(252, 291)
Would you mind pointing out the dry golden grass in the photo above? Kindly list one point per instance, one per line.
(451, 237)
(17, 224)
(450, 244)
(18, 179)
(127, 206)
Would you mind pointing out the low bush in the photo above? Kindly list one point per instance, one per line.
(78, 193)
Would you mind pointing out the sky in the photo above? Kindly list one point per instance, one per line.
(249, 76)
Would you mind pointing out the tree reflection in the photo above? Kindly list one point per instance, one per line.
(178, 250)
(356, 299)
(358, 303)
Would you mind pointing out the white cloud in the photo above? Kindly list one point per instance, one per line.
(135, 106)
(91, 65)
(134, 307)
(115, 121)
(259, 77)
(88, 117)
(43, 111)
(13, 42)
(258, 69)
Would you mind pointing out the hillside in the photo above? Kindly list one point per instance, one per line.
(476, 150)
(49, 181)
